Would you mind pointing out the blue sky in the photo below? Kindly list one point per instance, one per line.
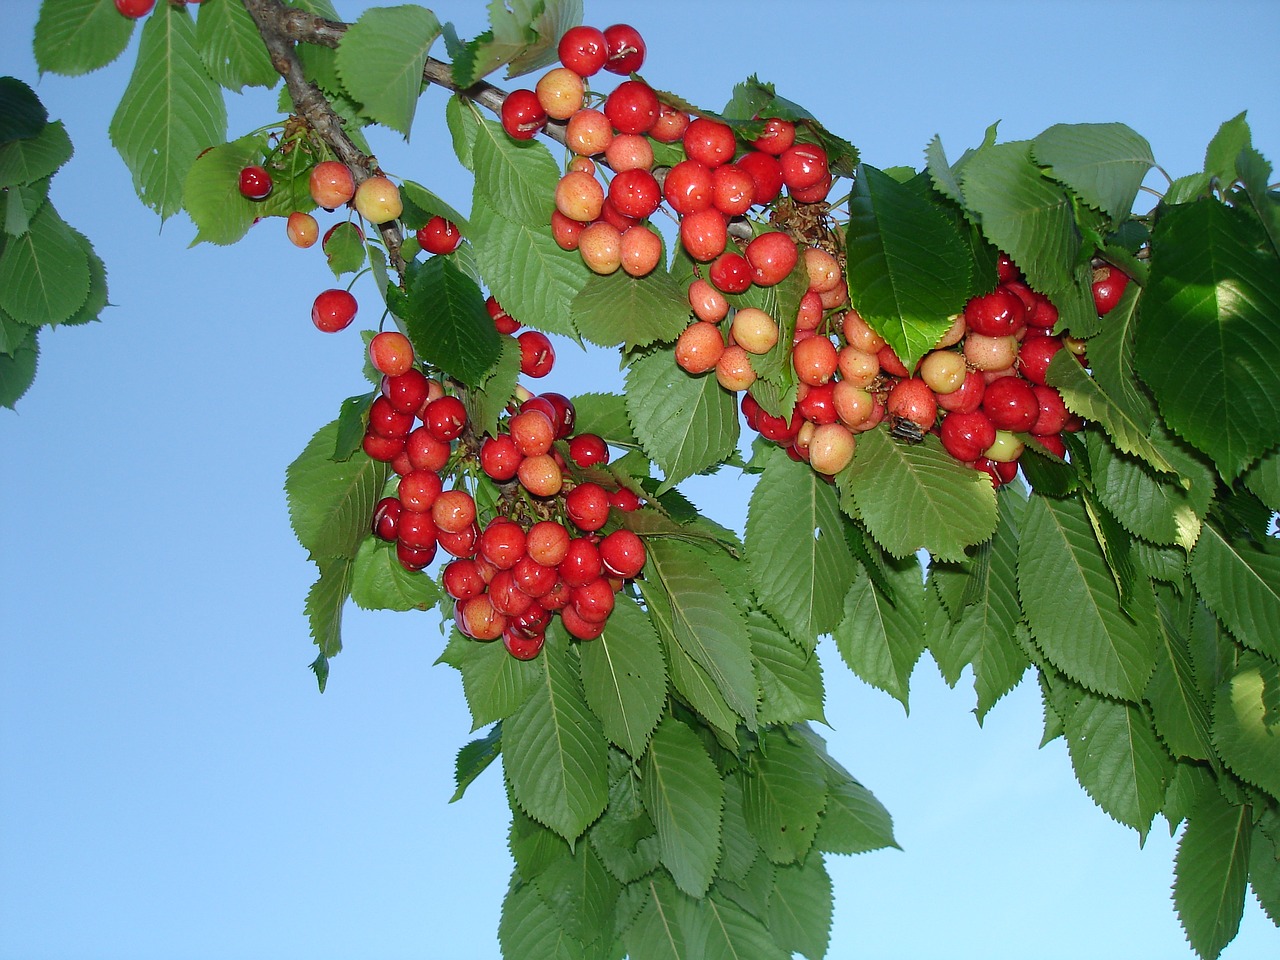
(171, 783)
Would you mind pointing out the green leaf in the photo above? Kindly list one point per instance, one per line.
(345, 249)
(685, 424)
(1023, 213)
(18, 369)
(211, 193)
(799, 561)
(34, 158)
(231, 47)
(1210, 873)
(624, 677)
(782, 798)
(170, 111)
(668, 925)
(1118, 759)
(533, 279)
(1224, 149)
(623, 838)
(732, 933)
(1179, 712)
(494, 683)
(550, 19)
(381, 58)
(1241, 584)
(1263, 479)
(380, 581)
(800, 908)
(463, 121)
(74, 37)
(1247, 742)
(617, 309)
(554, 750)
(908, 269)
(704, 622)
(44, 274)
(1264, 871)
(420, 205)
(1073, 606)
(1102, 163)
(323, 607)
(530, 928)
(882, 640)
(331, 502)
(475, 758)
(582, 894)
(853, 821)
(1255, 180)
(487, 402)
(683, 795)
(790, 678)
(1082, 395)
(917, 496)
(515, 178)
(445, 316)
(1214, 297)
(605, 415)
(510, 34)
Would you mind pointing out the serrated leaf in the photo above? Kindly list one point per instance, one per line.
(323, 607)
(782, 798)
(475, 758)
(211, 193)
(1264, 871)
(1103, 163)
(74, 37)
(704, 622)
(231, 46)
(463, 121)
(1082, 395)
(908, 269)
(685, 424)
(533, 279)
(917, 496)
(1073, 606)
(1210, 874)
(1213, 296)
(530, 928)
(331, 502)
(623, 838)
(554, 750)
(618, 309)
(683, 795)
(582, 894)
(170, 111)
(510, 33)
(1255, 180)
(34, 158)
(550, 20)
(1023, 213)
(420, 205)
(1223, 150)
(798, 558)
(494, 683)
(515, 178)
(1247, 742)
(44, 274)
(1118, 759)
(732, 933)
(624, 677)
(790, 679)
(944, 178)
(445, 316)
(752, 892)
(882, 640)
(800, 908)
(738, 845)
(1241, 584)
(1263, 480)
(853, 821)
(668, 925)
(1178, 711)
(381, 58)
(380, 581)
(605, 415)
(18, 369)
(533, 847)
(487, 402)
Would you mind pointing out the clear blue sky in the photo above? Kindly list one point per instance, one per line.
(171, 783)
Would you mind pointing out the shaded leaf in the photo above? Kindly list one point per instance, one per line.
(1241, 584)
(882, 640)
(1210, 873)
(683, 795)
(380, 581)
(331, 502)
(44, 274)
(1103, 163)
(475, 758)
(231, 46)
(1249, 744)
(446, 319)
(494, 683)
(782, 798)
(631, 312)
(624, 677)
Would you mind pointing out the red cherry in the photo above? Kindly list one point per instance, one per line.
(391, 353)
(425, 451)
(407, 392)
(537, 356)
(966, 435)
(500, 458)
(588, 450)
(587, 505)
(1053, 416)
(622, 553)
(704, 234)
(635, 193)
(624, 500)
(418, 490)
(625, 49)
(968, 397)
(689, 188)
(912, 400)
(731, 273)
(255, 183)
(818, 405)
(134, 9)
(772, 256)
(417, 531)
(386, 518)
(583, 50)
(462, 579)
(999, 313)
(1108, 288)
(1034, 356)
(333, 310)
(803, 165)
(581, 563)
(766, 174)
(439, 236)
(414, 558)
(778, 136)
(502, 543)
(709, 142)
(384, 449)
(565, 414)
(386, 421)
(445, 418)
(632, 107)
(522, 114)
(532, 577)
(593, 601)
(520, 646)
(1011, 404)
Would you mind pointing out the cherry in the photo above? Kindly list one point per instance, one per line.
(912, 400)
(532, 432)
(439, 236)
(632, 107)
(378, 200)
(445, 418)
(630, 152)
(384, 449)
(502, 543)
(625, 49)
(418, 490)
(853, 405)
(537, 356)
(944, 371)
(507, 598)
(990, 353)
(1053, 414)
(699, 347)
(831, 448)
(778, 135)
(331, 184)
(414, 558)
(500, 458)
(588, 133)
(302, 229)
(461, 544)
(1108, 286)
(583, 50)
(622, 553)
(689, 188)
(733, 190)
(255, 183)
(704, 234)
(635, 193)
(417, 530)
(588, 450)
(581, 563)
(520, 646)
(560, 92)
(765, 172)
(579, 196)
(477, 618)
(815, 360)
(425, 451)
(1035, 355)
(333, 310)
(709, 142)
(547, 542)
(1011, 404)
(541, 475)
(641, 251)
(967, 435)
(587, 505)
(671, 124)
(578, 627)
(386, 421)
(532, 623)
(454, 511)
(754, 330)
(462, 579)
(1053, 443)
(890, 363)
(501, 319)
(733, 370)
(858, 334)
(772, 256)
(391, 353)
(134, 9)
(532, 577)
(522, 115)
(565, 232)
(624, 500)
(731, 273)
(803, 165)
(564, 417)
(593, 601)
(1006, 269)
(707, 302)
(996, 314)
(386, 518)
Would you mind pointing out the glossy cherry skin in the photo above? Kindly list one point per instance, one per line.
(625, 49)
(583, 50)
(255, 183)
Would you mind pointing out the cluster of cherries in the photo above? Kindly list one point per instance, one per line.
(543, 552)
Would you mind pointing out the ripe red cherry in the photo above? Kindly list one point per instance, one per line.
(1053, 414)
(772, 256)
(255, 183)
(709, 142)
(1011, 404)
(386, 518)
(1034, 356)
(418, 490)
(635, 193)
(477, 619)
(414, 558)
(462, 579)
(439, 236)
(966, 435)
(417, 530)
(547, 542)
(704, 234)
(733, 190)
(588, 450)
(532, 432)
(407, 392)
(502, 320)
(502, 543)
(520, 646)
(593, 601)
(583, 50)
(689, 187)
(508, 599)
(579, 628)
(624, 500)
(819, 405)
(766, 174)
(499, 458)
(581, 563)
(632, 107)
(587, 505)
(625, 48)
(333, 310)
(533, 622)
(537, 356)
(966, 399)
(454, 511)
(622, 553)
(445, 418)
(386, 421)
(803, 165)
(461, 544)
(134, 9)
(532, 577)
(731, 273)
(778, 136)
(999, 313)
(425, 451)
(384, 449)
(522, 114)
(391, 353)
(1108, 288)
(565, 415)
(913, 400)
